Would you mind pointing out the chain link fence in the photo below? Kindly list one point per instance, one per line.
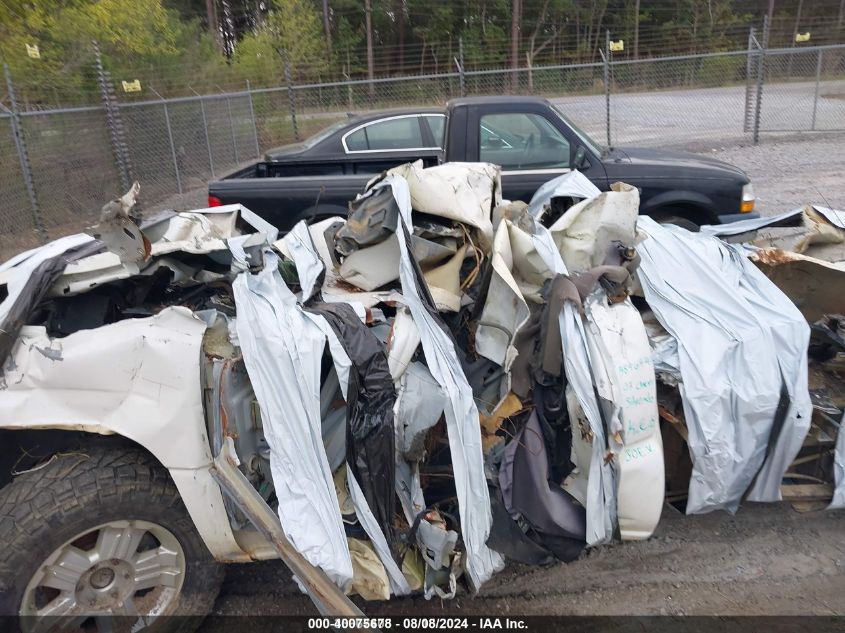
(59, 165)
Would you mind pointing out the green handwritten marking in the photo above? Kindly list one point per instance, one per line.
(634, 453)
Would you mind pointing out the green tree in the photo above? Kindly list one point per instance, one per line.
(294, 26)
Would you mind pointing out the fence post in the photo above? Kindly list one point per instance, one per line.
(291, 96)
(170, 138)
(461, 76)
(749, 78)
(252, 116)
(232, 130)
(761, 71)
(606, 58)
(818, 80)
(205, 131)
(23, 157)
(113, 121)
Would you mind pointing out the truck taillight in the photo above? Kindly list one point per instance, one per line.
(214, 201)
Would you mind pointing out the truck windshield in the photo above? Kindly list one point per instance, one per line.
(594, 147)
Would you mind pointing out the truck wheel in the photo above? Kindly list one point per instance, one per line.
(98, 533)
(672, 217)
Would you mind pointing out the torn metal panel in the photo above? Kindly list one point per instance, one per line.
(815, 286)
(402, 342)
(419, 407)
(204, 230)
(570, 185)
(138, 377)
(465, 192)
(734, 362)
(460, 410)
(505, 310)
(17, 271)
(372, 267)
(283, 349)
(587, 231)
(664, 350)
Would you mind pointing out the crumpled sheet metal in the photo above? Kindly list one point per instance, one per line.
(17, 271)
(149, 385)
(586, 231)
(204, 230)
(460, 411)
(505, 309)
(838, 500)
(787, 219)
(466, 192)
(571, 185)
(740, 341)
(283, 351)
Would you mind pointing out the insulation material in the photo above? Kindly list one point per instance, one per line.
(370, 579)
(460, 410)
(283, 350)
(444, 282)
(742, 351)
(398, 584)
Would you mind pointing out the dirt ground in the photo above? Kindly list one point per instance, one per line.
(765, 560)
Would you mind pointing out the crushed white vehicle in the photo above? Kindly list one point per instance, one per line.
(393, 402)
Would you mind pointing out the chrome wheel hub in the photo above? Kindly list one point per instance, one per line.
(121, 568)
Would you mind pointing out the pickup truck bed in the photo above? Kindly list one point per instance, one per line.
(529, 137)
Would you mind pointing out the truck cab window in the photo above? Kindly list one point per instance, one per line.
(437, 125)
(522, 141)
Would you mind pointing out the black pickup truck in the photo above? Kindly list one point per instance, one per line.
(530, 138)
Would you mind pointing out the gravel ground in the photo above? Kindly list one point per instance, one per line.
(765, 560)
(789, 172)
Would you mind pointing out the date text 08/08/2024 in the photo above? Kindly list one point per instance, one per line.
(436, 624)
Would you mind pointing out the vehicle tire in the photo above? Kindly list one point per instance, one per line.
(101, 532)
(672, 217)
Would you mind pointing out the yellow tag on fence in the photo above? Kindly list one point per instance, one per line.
(33, 51)
(615, 47)
(131, 86)
(802, 37)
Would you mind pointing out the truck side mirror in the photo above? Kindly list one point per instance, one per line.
(580, 161)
